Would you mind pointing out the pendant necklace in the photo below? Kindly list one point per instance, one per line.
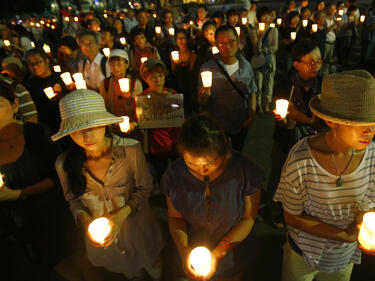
(340, 180)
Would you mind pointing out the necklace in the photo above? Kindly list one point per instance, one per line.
(340, 180)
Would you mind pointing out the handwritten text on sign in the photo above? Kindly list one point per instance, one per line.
(154, 111)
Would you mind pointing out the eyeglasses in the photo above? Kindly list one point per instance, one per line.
(230, 43)
(312, 63)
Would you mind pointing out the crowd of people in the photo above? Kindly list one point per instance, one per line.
(66, 160)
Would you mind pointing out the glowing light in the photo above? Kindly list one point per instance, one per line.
(341, 13)
(272, 25)
(238, 30)
(124, 84)
(314, 27)
(125, 125)
(6, 43)
(244, 21)
(206, 79)
(279, 21)
(143, 59)
(67, 79)
(80, 84)
(200, 260)
(362, 18)
(215, 50)
(99, 229)
(50, 93)
(175, 56)
(305, 23)
(171, 31)
(106, 52)
(77, 76)
(157, 29)
(366, 235)
(57, 68)
(282, 107)
(123, 41)
(46, 49)
(293, 35)
(262, 26)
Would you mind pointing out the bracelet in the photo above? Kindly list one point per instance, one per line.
(228, 242)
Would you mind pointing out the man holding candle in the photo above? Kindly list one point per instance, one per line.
(326, 183)
(232, 97)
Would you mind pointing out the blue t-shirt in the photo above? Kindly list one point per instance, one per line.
(208, 225)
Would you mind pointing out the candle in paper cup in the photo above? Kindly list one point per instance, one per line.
(366, 235)
(215, 50)
(206, 79)
(293, 35)
(282, 107)
(279, 21)
(262, 26)
(191, 22)
(32, 44)
(57, 68)
(53, 27)
(154, 15)
(272, 25)
(78, 76)
(76, 19)
(238, 30)
(48, 24)
(175, 56)
(362, 18)
(200, 260)
(244, 21)
(123, 41)
(124, 84)
(143, 59)
(341, 13)
(42, 22)
(106, 52)
(305, 23)
(66, 18)
(105, 16)
(314, 27)
(1, 181)
(125, 125)
(6, 43)
(67, 79)
(50, 93)
(157, 29)
(46, 49)
(37, 24)
(171, 31)
(99, 229)
(80, 84)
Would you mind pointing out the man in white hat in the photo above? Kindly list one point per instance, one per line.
(327, 182)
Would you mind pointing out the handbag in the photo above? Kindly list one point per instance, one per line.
(262, 62)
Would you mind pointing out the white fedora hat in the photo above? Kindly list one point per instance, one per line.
(83, 109)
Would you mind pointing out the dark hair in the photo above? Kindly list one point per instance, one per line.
(207, 24)
(231, 13)
(302, 48)
(262, 11)
(70, 42)
(135, 32)
(140, 11)
(226, 28)
(184, 31)
(351, 8)
(201, 134)
(218, 14)
(304, 9)
(88, 32)
(166, 12)
(122, 24)
(111, 30)
(7, 91)
(318, 14)
(36, 51)
(291, 15)
(203, 6)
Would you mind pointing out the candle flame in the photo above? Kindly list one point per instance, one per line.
(125, 125)
(99, 229)
(366, 235)
(200, 260)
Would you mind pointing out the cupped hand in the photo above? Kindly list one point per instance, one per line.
(191, 274)
(7, 194)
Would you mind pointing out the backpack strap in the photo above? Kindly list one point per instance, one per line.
(106, 84)
(132, 84)
(103, 62)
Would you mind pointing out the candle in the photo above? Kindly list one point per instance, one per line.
(32, 44)
(171, 31)
(123, 41)
(48, 25)
(106, 52)
(50, 93)
(262, 26)
(37, 24)
(154, 15)
(272, 25)
(66, 78)
(66, 18)
(99, 229)
(80, 84)
(125, 125)
(279, 21)
(57, 68)
(1, 181)
(105, 16)
(200, 260)
(338, 19)
(175, 56)
(314, 28)
(143, 59)
(293, 35)
(157, 29)
(76, 19)
(366, 235)
(341, 13)
(53, 27)
(215, 50)
(32, 23)
(53, 20)
(46, 49)
(78, 76)
(238, 30)
(282, 107)
(206, 79)
(244, 21)
(124, 84)
(41, 21)
(6, 43)
(362, 18)
(191, 22)
(305, 23)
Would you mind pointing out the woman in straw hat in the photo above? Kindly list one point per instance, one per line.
(325, 185)
(103, 175)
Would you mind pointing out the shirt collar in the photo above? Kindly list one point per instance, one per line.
(98, 58)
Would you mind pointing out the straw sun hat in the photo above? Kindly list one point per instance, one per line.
(347, 98)
(83, 109)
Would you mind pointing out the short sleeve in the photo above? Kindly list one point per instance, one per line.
(290, 191)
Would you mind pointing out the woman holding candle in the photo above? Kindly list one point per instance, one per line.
(103, 175)
(117, 102)
(326, 182)
(205, 42)
(213, 194)
(185, 71)
(33, 213)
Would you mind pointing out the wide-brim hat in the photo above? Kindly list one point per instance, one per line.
(346, 98)
(83, 109)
